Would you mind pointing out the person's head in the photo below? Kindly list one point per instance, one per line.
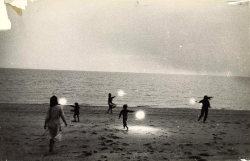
(53, 101)
(76, 104)
(125, 106)
(205, 97)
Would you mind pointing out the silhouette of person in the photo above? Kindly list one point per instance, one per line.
(52, 120)
(124, 114)
(76, 111)
(205, 106)
(110, 103)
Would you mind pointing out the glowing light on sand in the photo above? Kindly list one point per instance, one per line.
(143, 130)
(62, 101)
(140, 115)
(192, 101)
(121, 93)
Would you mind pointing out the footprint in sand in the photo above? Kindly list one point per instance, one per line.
(167, 144)
(108, 141)
(205, 154)
(208, 144)
(195, 157)
(103, 144)
(188, 144)
(148, 144)
(104, 148)
(104, 156)
(87, 153)
(112, 144)
(125, 144)
(120, 149)
(187, 153)
(83, 146)
(113, 136)
(102, 138)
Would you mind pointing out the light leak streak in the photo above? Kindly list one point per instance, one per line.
(62, 101)
(140, 115)
(192, 101)
(121, 93)
(143, 130)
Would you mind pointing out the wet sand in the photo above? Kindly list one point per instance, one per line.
(164, 134)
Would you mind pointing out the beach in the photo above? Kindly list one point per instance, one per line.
(164, 134)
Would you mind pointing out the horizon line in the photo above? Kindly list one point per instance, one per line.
(191, 74)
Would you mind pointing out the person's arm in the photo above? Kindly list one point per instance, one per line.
(113, 97)
(63, 116)
(200, 101)
(130, 111)
(72, 105)
(47, 118)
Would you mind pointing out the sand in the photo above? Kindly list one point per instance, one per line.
(164, 134)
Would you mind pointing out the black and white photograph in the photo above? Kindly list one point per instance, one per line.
(121, 80)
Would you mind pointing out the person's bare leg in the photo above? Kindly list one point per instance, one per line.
(51, 145)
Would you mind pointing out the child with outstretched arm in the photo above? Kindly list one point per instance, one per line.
(76, 111)
(205, 105)
(124, 113)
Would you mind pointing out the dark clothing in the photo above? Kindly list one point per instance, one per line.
(111, 105)
(205, 106)
(205, 103)
(203, 110)
(124, 114)
(110, 99)
(76, 111)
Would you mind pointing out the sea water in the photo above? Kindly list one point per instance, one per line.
(28, 86)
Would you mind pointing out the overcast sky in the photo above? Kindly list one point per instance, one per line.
(187, 37)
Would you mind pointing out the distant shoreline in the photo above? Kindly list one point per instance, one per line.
(119, 107)
(189, 74)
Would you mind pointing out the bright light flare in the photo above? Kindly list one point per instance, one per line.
(140, 115)
(62, 101)
(143, 130)
(192, 101)
(121, 93)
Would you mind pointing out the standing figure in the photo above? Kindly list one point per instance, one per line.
(124, 113)
(52, 121)
(76, 111)
(205, 106)
(110, 103)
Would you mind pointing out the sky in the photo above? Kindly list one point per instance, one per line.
(159, 36)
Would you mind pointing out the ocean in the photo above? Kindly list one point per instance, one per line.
(26, 86)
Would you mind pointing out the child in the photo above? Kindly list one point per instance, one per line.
(76, 111)
(110, 103)
(124, 113)
(205, 106)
